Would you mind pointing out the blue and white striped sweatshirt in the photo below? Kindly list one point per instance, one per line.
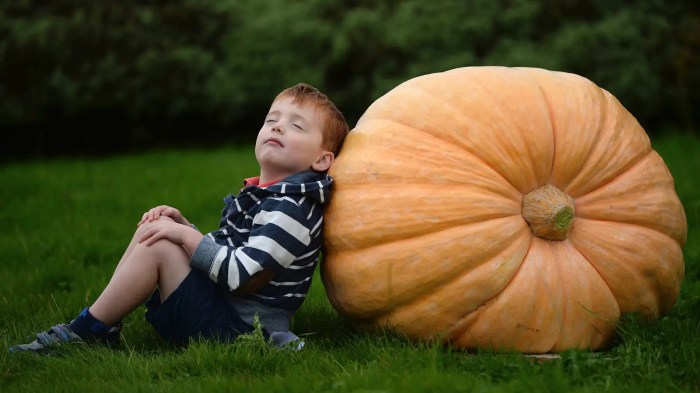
(276, 228)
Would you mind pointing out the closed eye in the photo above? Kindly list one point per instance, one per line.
(298, 127)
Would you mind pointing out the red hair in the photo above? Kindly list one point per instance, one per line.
(335, 127)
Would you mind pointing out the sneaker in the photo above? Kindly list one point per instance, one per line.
(62, 334)
(287, 340)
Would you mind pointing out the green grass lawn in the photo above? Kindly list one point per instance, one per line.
(65, 223)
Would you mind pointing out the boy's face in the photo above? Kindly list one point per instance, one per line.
(290, 141)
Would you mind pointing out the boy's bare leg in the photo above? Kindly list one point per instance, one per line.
(134, 241)
(163, 263)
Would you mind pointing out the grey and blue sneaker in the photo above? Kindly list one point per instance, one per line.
(62, 334)
(287, 340)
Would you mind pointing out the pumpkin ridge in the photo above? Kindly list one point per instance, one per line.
(640, 198)
(618, 175)
(388, 314)
(388, 185)
(550, 116)
(428, 231)
(520, 233)
(632, 224)
(426, 133)
(473, 153)
(448, 228)
(443, 140)
(462, 325)
(659, 301)
(610, 134)
(497, 178)
(615, 116)
(577, 304)
(563, 335)
(460, 205)
(563, 297)
(522, 71)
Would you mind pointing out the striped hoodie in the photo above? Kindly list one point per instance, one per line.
(276, 228)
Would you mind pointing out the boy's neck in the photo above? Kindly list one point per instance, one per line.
(255, 181)
(270, 177)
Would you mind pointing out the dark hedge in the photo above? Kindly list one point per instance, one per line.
(92, 78)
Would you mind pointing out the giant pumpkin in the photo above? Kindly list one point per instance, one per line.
(511, 209)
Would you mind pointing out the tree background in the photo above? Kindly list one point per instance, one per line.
(95, 78)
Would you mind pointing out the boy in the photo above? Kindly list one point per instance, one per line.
(259, 262)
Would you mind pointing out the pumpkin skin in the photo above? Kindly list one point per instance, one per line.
(425, 234)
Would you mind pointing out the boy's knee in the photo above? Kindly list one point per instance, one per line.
(144, 227)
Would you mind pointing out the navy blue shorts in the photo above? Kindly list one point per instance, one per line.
(196, 309)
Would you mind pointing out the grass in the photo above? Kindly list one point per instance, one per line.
(65, 223)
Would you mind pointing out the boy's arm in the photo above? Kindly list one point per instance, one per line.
(280, 234)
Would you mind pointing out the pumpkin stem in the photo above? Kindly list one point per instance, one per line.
(549, 211)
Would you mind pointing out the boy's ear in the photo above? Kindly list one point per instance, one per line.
(323, 162)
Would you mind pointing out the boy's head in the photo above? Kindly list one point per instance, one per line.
(335, 128)
(302, 131)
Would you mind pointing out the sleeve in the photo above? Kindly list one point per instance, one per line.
(279, 235)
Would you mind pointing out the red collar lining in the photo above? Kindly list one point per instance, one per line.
(255, 181)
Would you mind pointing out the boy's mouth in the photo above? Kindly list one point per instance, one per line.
(274, 141)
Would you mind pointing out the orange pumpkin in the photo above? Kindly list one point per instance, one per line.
(501, 208)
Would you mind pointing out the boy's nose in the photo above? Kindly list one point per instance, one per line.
(277, 127)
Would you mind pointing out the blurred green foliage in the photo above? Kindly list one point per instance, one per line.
(99, 77)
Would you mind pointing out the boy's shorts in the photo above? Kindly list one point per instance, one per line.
(196, 309)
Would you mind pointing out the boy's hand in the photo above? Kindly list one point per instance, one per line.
(170, 230)
(163, 210)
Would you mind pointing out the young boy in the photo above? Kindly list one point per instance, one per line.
(259, 262)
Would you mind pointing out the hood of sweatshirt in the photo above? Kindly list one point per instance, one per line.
(309, 184)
